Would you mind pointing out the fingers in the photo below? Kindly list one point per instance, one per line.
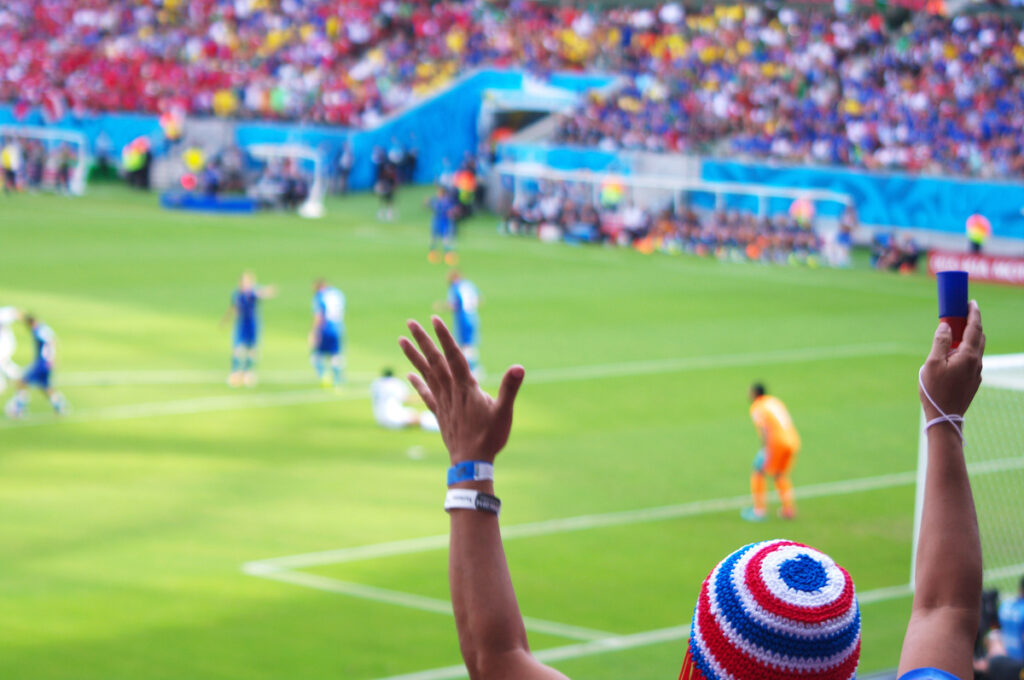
(510, 385)
(941, 343)
(424, 392)
(438, 365)
(456, 359)
(415, 358)
(973, 336)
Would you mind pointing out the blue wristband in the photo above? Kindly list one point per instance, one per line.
(470, 471)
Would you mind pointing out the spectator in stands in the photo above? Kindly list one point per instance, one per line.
(1011, 620)
(944, 615)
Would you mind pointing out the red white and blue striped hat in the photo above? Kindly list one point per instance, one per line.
(775, 610)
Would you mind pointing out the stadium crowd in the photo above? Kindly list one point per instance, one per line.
(934, 94)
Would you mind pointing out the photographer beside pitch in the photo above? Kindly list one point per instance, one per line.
(944, 616)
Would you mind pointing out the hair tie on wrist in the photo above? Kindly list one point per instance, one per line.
(953, 419)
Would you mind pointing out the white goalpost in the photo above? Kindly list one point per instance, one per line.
(52, 137)
(312, 159)
(994, 451)
(661, 190)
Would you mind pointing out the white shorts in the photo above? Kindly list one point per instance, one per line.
(395, 416)
(7, 345)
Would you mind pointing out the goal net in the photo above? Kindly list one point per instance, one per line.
(994, 451)
(576, 204)
(48, 158)
(287, 176)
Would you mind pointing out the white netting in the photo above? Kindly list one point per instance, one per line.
(995, 454)
(50, 159)
(994, 451)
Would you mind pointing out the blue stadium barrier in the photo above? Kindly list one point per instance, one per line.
(564, 157)
(892, 199)
(232, 205)
(443, 127)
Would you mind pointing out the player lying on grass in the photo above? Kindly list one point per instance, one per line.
(8, 369)
(40, 373)
(798, 598)
(390, 396)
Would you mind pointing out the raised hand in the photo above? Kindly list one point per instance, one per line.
(953, 376)
(474, 425)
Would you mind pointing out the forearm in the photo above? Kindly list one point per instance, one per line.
(948, 572)
(486, 612)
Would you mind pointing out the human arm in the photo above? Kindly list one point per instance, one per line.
(314, 332)
(475, 427)
(228, 313)
(944, 617)
(266, 292)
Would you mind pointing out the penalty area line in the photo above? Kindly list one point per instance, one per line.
(671, 634)
(534, 377)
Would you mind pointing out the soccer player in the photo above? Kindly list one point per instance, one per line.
(40, 373)
(327, 339)
(8, 369)
(464, 301)
(389, 396)
(245, 308)
(442, 227)
(780, 443)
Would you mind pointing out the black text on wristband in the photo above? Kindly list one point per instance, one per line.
(471, 499)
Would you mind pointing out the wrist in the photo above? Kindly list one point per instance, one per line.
(484, 486)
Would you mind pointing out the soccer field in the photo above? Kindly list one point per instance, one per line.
(140, 533)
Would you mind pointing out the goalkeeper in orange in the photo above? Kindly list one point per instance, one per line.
(780, 443)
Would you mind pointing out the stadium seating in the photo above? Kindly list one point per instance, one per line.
(936, 95)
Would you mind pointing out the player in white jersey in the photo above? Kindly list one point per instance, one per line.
(390, 396)
(327, 338)
(8, 369)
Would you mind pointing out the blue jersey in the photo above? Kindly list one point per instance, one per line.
(38, 373)
(927, 674)
(465, 303)
(246, 304)
(1011, 620)
(329, 305)
(442, 206)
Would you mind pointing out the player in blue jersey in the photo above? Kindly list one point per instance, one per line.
(40, 373)
(244, 307)
(464, 301)
(327, 339)
(442, 228)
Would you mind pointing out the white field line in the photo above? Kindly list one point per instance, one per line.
(283, 568)
(538, 376)
(189, 407)
(627, 368)
(652, 637)
(784, 356)
(420, 602)
(188, 377)
(585, 522)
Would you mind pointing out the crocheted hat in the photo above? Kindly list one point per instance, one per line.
(775, 610)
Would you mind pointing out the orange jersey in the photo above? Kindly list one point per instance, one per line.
(771, 418)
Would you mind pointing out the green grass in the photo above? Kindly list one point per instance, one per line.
(123, 537)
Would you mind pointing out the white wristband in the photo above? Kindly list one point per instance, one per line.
(471, 499)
